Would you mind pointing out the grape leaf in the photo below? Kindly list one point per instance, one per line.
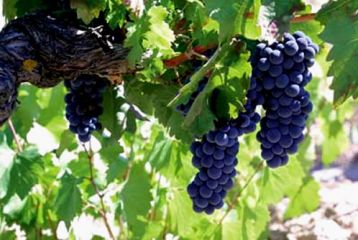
(153, 99)
(6, 163)
(67, 142)
(116, 169)
(276, 9)
(25, 172)
(9, 9)
(27, 111)
(341, 30)
(136, 199)
(231, 16)
(112, 104)
(159, 36)
(274, 184)
(298, 202)
(87, 10)
(69, 199)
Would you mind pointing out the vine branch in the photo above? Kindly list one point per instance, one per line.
(16, 138)
(303, 18)
(238, 194)
(102, 210)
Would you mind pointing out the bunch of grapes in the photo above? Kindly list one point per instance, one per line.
(84, 105)
(282, 71)
(215, 156)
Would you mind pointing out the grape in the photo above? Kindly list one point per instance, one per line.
(285, 101)
(84, 105)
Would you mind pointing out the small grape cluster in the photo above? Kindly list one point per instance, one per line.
(215, 157)
(281, 70)
(184, 108)
(84, 105)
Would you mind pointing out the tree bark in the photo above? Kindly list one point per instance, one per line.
(44, 51)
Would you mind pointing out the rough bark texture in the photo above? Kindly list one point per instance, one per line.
(44, 51)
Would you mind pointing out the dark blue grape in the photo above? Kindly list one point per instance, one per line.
(263, 64)
(276, 57)
(291, 47)
(193, 190)
(275, 70)
(288, 63)
(282, 81)
(292, 90)
(296, 77)
(274, 162)
(84, 105)
(274, 135)
(221, 139)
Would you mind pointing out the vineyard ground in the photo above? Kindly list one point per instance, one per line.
(337, 216)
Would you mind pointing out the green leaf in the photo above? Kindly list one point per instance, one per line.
(80, 166)
(69, 199)
(68, 142)
(110, 120)
(87, 10)
(153, 99)
(305, 200)
(160, 155)
(117, 14)
(341, 30)
(136, 199)
(27, 111)
(159, 36)
(25, 172)
(231, 16)
(117, 168)
(277, 9)
(9, 9)
(6, 163)
(274, 184)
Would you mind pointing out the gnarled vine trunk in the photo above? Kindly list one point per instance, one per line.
(44, 51)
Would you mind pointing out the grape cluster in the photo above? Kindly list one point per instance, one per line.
(84, 105)
(184, 108)
(215, 157)
(282, 71)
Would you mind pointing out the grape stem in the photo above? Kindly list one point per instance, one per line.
(199, 75)
(102, 210)
(16, 138)
(238, 194)
(303, 18)
(188, 55)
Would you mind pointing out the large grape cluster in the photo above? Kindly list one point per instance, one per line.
(281, 70)
(84, 105)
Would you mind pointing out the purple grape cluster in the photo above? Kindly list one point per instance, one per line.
(281, 71)
(215, 157)
(184, 108)
(84, 105)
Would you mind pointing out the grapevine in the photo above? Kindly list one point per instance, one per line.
(173, 119)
